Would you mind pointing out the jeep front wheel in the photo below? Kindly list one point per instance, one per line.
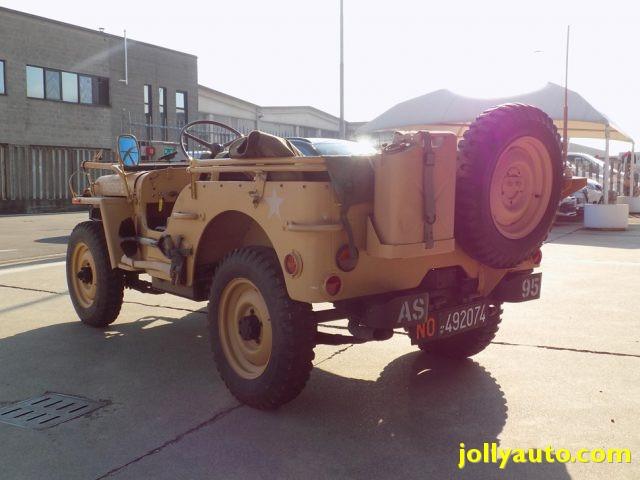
(262, 340)
(96, 290)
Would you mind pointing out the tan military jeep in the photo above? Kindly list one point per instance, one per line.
(430, 236)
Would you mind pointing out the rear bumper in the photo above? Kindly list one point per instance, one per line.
(411, 308)
(518, 287)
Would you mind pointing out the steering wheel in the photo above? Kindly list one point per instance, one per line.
(214, 148)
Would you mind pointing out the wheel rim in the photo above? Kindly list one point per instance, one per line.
(521, 187)
(245, 328)
(83, 275)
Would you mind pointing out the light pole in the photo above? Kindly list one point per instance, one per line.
(343, 133)
(565, 137)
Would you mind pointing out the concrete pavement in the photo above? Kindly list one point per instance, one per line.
(36, 237)
(563, 371)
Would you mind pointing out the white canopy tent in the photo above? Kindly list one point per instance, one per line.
(446, 110)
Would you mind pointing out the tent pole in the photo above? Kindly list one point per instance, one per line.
(622, 173)
(605, 177)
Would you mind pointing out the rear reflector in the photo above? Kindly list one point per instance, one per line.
(332, 285)
(345, 261)
(293, 264)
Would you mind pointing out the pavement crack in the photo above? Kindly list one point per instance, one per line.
(165, 306)
(174, 440)
(27, 289)
(334, 354)
(339, 327)
(568, 349)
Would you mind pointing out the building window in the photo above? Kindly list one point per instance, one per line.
(3, 80)
(69, 87)
(86, 89)
(162, 109)
(35, 82)
(182, 114)
(148, 111)
(100, 90)
(51, 84)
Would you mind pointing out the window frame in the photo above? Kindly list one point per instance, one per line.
(59, 74)
(94, 80)
(185, 109)
(44, 87)
(147, 102)
(4, 76)
(77, 101)
(163, 112)
(90, 78)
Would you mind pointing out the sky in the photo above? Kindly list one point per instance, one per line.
(286, 52)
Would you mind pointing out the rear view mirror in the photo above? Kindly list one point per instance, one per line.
(129, 150)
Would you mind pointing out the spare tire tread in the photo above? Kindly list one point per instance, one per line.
(482, 143)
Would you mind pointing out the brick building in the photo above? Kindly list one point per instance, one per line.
(63, 96)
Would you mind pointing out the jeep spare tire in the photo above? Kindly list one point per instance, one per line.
(508, 187)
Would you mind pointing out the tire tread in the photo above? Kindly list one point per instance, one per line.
(110, 294)
(471, 229)
(292, 364)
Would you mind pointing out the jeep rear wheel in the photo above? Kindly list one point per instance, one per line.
(508, 186)
(96, 290)
(469, 343)
(245, 328)
(262, 340)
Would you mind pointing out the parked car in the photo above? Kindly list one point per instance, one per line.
(568, 208)
(582, 161)
(592, 193)
(573, 205)
(313, 147)
(595, 192)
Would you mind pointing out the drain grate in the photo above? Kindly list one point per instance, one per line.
(46, 411)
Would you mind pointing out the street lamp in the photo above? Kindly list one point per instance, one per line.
(343, 133)
(565, 126)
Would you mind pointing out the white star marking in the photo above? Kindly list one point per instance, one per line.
(274, 202)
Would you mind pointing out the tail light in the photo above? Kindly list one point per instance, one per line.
(537, 257)
(333, 285)
(293, 264)
(149, 151)
(345, 261)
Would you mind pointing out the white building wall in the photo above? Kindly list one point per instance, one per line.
(287, 121)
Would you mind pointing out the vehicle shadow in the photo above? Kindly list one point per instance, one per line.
(411, 420)
(60, 240)
(407, 423)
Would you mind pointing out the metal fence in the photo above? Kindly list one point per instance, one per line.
(36, 178)
(171, 133)
(619, 174)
